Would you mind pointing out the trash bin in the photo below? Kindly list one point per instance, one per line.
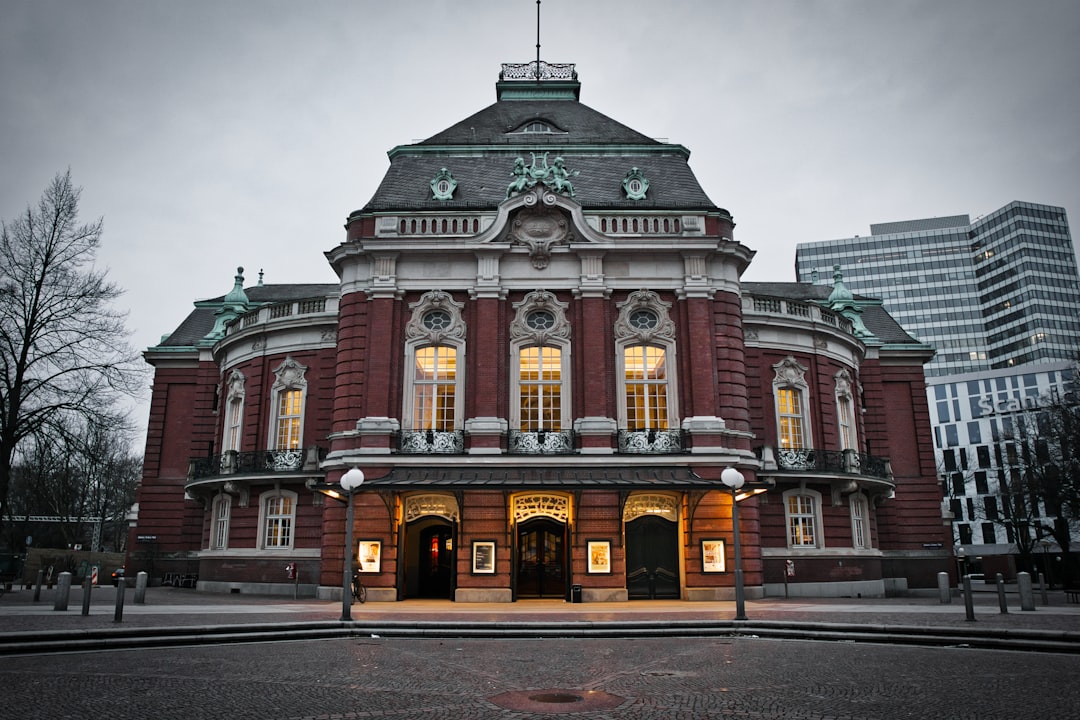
(575, 593)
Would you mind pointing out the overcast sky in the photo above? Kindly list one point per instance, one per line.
(215, 133)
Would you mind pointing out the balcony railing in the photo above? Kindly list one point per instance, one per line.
(427, 442)
(541, 442)
(846, 462)
(232, 462)
(651, 442)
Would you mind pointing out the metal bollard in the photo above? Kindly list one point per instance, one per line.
(86, 588)
(969, 601)
(1042, 589)
(63, 591)
(1001, 594)
(1027, 595)
(118, 615)
(141, 581)
(944, 591)
(38, 584)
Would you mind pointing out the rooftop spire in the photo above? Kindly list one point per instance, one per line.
(537, 40)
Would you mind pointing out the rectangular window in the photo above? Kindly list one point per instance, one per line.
(801, 521)
(646, 387)
(220, 530)
(540, 389)
(989, 533)
(982, 487)
(789, 407)
(232, 432)
(860, 528)
(847, 424)
(956, 506)
(983, 453)
(990, 507)
(278, 522)
(965, 533)
(435, 388)
(959, 487)
(289, 412)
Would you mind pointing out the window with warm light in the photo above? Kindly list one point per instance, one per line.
(789, 409)
(540, 388)
(434, 382)
(277, 510)
(802, 511)
(289, 412)
(645, 387)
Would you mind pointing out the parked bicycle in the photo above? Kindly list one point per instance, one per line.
(359, 592)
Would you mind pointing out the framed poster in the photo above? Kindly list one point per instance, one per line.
(483, 557)
(712, 556)
(599, 557)
(369, 555)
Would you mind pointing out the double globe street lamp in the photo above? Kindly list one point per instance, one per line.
(734, 480)
(350, 482)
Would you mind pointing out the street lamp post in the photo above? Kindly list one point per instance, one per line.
(350, 481)
(734, 480)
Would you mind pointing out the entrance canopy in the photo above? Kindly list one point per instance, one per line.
(519, 478)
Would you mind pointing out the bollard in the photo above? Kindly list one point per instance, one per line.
(1001, 594)
(118, 615)
(1042, 589)
(38, 584)
(1027, 595)
(63, 591)
(944, 590)
(86, 588)
(141, 581)
(969, 601)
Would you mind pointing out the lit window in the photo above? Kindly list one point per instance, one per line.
(219, 530)
(287, 393)
(434, 388)
(645, 343)
(645, 387)
(802, 510)
(790, 389)
(433, 393)
(278, 515)
(540, 354)
(540, 388)
(288, 420)
(860, 524)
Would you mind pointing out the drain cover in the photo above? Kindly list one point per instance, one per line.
(554, 701)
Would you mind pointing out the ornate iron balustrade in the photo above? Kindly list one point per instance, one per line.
(651, 442)
(258, 461)
(541, 442)
(847, 462)
(428, 442)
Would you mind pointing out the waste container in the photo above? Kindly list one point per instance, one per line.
(575, 593)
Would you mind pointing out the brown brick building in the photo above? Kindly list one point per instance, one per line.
(542, 357)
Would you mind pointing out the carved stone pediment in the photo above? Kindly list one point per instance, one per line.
(539, 226)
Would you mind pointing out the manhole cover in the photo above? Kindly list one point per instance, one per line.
(553, 701)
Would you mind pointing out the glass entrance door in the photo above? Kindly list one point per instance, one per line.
(541, 559)
(652, 559)
(436, 556)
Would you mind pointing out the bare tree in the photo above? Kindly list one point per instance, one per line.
(63, 349)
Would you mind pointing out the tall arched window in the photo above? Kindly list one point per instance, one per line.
(790, 391)
(645, 342)
(540, 354)
(219, 522)
(287, 393)
(277, 519)
(434, 354)
(860, 521)
(802, 511)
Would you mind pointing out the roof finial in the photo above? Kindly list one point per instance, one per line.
(260, 276)
(537, 40)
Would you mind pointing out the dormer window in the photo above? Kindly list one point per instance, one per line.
(539, 127)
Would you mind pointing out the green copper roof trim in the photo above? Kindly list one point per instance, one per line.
(544, 90)
(520, 148)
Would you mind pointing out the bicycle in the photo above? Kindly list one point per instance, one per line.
(359, 592)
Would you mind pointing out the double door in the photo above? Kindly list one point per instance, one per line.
(652, 559)
(541, 559)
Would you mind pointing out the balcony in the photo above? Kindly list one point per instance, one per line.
(541, 442)
(830, 462)
(257, 462)
(651, 442)
(431, 442)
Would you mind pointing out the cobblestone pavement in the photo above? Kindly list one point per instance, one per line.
(616, 679)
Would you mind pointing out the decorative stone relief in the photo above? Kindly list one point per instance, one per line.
(539, 319)
(639, 504)
(554, 176)
(443, 185)
(530, 505)
(643, 317)
(635, 184)
(290, 374)
(436, 317)
(539, 226)
(789, 373)
(418, 506)
(235, 385)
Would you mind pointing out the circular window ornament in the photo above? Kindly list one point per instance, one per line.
(635, 184)
(443, 185)
(437, 320)
(644, 319)
(540, 320)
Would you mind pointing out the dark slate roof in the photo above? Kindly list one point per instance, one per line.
(201, 321)
(876, 319)
(478, 476)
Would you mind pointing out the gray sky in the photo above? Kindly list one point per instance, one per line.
(216, 133)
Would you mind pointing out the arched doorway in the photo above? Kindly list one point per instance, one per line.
(430, 546)
(541, 559)
(652, 547)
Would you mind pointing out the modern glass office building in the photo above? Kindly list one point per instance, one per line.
(1000, 292)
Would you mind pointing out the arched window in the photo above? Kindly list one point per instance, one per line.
(540, 356)
(277, 519)
(287, 394)
(645, 343)
(860, 521)
(434, 353)
(220, 511)
(790, 393)
(802, 513)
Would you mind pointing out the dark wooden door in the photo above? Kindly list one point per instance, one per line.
(541, 559)
(652, 559)
(436, 561)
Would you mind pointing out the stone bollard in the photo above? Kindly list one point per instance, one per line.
(38, 584)
(1001, 593)
(63, 591)
(969, 600)
(1042, 589)
(1027, 595)
(944, 590)
(86, 588)
(141, 581)
(118, 614)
